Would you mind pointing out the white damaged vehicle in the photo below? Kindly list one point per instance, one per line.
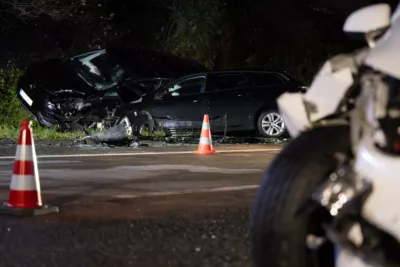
(329, 198)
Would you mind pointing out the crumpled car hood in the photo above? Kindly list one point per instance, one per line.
(53, 75)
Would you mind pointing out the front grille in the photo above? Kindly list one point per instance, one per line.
(179, 129)
(184, 132)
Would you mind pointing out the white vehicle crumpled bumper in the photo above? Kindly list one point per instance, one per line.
(347, 259)
(325, 94)
(292, 109)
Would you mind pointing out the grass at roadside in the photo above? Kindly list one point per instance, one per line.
(146, 132)
(39, 133)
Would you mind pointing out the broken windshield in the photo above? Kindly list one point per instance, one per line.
(98, 69)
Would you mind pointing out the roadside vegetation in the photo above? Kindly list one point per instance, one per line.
(40, 133)
(10, 108)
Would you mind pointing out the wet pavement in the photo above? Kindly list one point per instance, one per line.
(212, 233)
(143, 173)
(147, 208)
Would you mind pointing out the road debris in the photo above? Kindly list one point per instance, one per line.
(7, 141)
(117, 134)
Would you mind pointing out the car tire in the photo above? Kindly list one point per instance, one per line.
(278, 234)
(276, 127)
(126, 122)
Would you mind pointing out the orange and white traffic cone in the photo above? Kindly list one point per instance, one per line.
(205, 144)
(25, 198)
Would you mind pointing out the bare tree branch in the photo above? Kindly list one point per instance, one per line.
(170, 7)
(28, 9)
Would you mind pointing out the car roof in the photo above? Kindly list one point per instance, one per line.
(228, 71)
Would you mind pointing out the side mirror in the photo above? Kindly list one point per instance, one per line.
(369, 22)
(169, 95)
(162, 94)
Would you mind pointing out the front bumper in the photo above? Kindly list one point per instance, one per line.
(172, 127)
(177, 128)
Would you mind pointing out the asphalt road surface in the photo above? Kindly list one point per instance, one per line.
(137, 207)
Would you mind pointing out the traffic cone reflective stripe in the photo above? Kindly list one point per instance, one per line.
(23, 153)
(25, 196)
(205, 137)
(205, 141)
(205, 144)
(206, 124)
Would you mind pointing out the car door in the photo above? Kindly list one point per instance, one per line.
(183, 100)
(226, 93)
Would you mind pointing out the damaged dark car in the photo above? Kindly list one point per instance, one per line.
(234, 100)
(81, 91)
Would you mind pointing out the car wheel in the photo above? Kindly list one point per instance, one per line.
(278, 233)
(127, 123)
(270, 124)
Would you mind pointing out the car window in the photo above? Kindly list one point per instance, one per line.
(226, 81)
(111, 93)
(187, 87)
(265, 79)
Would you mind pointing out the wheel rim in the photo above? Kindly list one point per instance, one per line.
(125, 121)
(272, 124)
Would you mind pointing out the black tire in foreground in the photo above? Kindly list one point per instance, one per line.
(278, 234)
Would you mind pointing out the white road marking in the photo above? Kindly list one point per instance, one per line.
(188, 191)
(143, 153)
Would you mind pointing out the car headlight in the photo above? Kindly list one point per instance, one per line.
(50, 106)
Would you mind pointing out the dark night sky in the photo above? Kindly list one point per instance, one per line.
(287, 34)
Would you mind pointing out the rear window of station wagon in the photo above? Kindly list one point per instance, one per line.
(267, 79)
(218, 82)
